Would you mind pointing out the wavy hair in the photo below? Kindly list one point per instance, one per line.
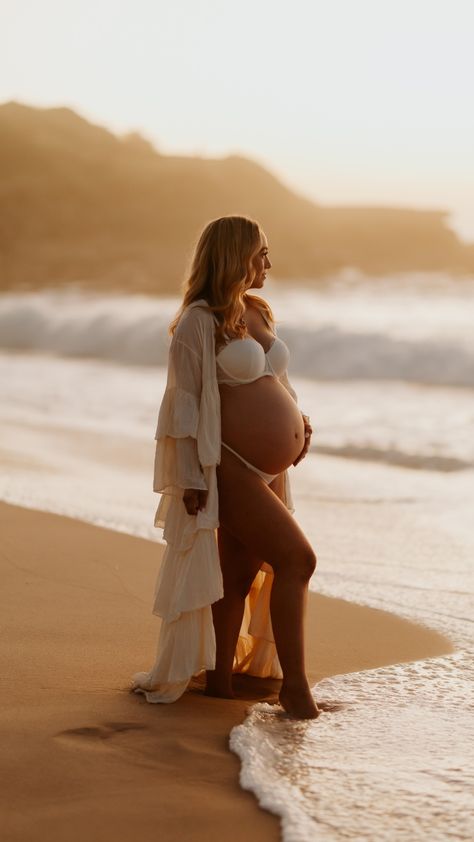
(221, 272)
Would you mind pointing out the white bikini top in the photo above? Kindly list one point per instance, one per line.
(244, 360)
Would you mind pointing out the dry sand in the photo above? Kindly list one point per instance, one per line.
(83, 757)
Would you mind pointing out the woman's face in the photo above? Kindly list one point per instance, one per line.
(261, 263)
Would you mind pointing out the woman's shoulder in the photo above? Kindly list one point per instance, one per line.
(198, 306)
(196, 318)
(261, 306)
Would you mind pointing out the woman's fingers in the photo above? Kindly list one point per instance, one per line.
(194, 499)
(202, 495)
(303, 453)
(191, 500)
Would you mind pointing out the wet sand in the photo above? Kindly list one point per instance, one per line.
(82, 755)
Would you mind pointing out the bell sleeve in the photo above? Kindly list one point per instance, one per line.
(177, 463)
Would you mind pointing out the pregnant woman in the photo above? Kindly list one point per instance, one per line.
(233, 582)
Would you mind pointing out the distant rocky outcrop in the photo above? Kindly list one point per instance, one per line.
(80, 205)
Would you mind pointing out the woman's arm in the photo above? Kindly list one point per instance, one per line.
(286, 383)
(308, 430)
(177, 465)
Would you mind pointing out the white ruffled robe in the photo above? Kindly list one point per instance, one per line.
(188, 446)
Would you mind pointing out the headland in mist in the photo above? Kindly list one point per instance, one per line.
(79, 205)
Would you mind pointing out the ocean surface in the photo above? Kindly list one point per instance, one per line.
(385, 368)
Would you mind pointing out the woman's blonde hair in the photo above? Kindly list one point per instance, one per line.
(221, 272)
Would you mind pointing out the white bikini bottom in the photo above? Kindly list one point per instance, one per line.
(268, 478)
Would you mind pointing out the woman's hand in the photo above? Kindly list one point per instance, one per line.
(307, 438)
(194, 499)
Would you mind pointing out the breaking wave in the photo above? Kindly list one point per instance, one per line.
(133, 330)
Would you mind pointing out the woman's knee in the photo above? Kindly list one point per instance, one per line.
(308, 563)
(301, 564)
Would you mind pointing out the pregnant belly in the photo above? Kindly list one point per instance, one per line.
(262, 422)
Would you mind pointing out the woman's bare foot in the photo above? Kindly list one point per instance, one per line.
(297, 701)
(222, 689)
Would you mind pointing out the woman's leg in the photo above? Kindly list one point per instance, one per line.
(239, 569)
(253, 513)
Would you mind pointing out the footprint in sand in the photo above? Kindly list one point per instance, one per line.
(95, 735)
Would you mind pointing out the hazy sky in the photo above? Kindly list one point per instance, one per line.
(347, 101)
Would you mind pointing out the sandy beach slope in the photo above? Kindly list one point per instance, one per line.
(83, 757)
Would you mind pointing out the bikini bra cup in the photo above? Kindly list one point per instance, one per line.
(279, 356)
(245, 359)
(242, 359)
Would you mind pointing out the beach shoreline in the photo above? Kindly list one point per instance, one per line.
(85, 755)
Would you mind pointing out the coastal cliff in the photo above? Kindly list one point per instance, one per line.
(79, 205)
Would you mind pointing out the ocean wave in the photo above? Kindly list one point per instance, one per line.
(328, 353)
(126, 329)
(394, 456)
(133, 330)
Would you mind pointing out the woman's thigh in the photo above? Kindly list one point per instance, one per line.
(256, 516)
(239, 565)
